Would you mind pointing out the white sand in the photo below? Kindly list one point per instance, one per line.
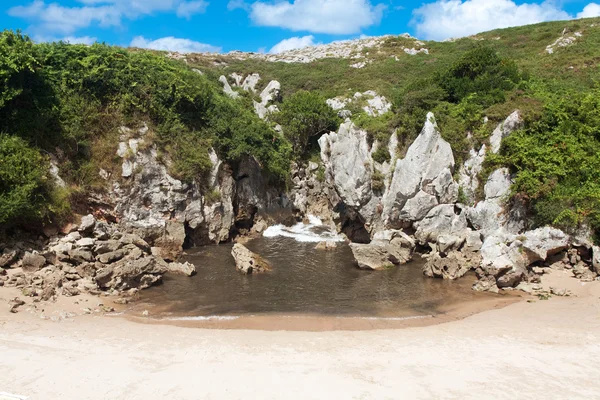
(542, 350)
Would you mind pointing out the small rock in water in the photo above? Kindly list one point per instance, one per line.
(327, 245)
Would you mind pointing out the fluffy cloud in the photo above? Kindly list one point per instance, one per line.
(590, 11)
(174, 44)
(53, 18)
(189, 8)
(456, 18)
(293, 43)
(331, 16)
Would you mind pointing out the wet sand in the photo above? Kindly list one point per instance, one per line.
(527, 350)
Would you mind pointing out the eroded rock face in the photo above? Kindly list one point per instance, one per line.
(388, 248)
(453, 266)
(248, 262)
(422, 180)
(469, 173)
(506, 257)
(445, 221)
(490, 215)
(511, 124)
(347, 159)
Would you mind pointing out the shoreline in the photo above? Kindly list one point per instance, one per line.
(545, 349)
(306, 322)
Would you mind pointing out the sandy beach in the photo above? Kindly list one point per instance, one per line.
(528, 350)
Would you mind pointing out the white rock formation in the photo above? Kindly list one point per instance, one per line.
(388, 248)
(564, 41)
(511, 124)
(469, 173)
(227, 88)
(443, 221)
(270, 93)
(348, 161)
(423, 179)
(489, 216)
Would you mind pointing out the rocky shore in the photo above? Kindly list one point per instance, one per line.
(420, 203)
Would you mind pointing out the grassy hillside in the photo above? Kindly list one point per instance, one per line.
(68, 101)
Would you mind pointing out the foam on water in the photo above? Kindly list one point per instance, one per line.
(305, 233)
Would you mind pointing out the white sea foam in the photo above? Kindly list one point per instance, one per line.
(305, 233)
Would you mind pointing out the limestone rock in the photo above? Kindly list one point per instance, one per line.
(388, 248)
(129, 274)
(455, 265)
(596, 259)
(541, 243)
(87, 224)
(8, 257)
(444, 220)
(227, 88)
(248, 262)
(186, 268)
(511, 124)
(490, 215)
(377, 256)
(347, 159)
(469, 173)
(32, 262)
(425, 168)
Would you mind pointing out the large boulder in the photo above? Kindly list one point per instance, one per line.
(248, 262)
(541, 243)
(453, 266)
(422, 179)
(347, 159)
(131, 274)
(388, 248)
(506, 257)
(32, 262)
(185, 268)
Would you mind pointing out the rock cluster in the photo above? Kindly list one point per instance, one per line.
(97, 257)
(387, 249)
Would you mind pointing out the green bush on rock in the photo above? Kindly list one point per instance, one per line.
(23, 180)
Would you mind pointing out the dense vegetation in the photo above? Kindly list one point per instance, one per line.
(67, 102)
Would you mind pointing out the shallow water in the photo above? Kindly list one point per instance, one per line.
(303, 281)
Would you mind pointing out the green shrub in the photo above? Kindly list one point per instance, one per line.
(23, 180)
(304, 116)
(480, 73)
(557, 162)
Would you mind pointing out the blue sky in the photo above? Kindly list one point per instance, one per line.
(270, 25)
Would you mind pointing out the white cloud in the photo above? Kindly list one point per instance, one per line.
(293, 43)
(189, 8)
(590, 11)
(50, 19)
(456, 18)
(331, 16)
(174, 44)
(235, 4)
